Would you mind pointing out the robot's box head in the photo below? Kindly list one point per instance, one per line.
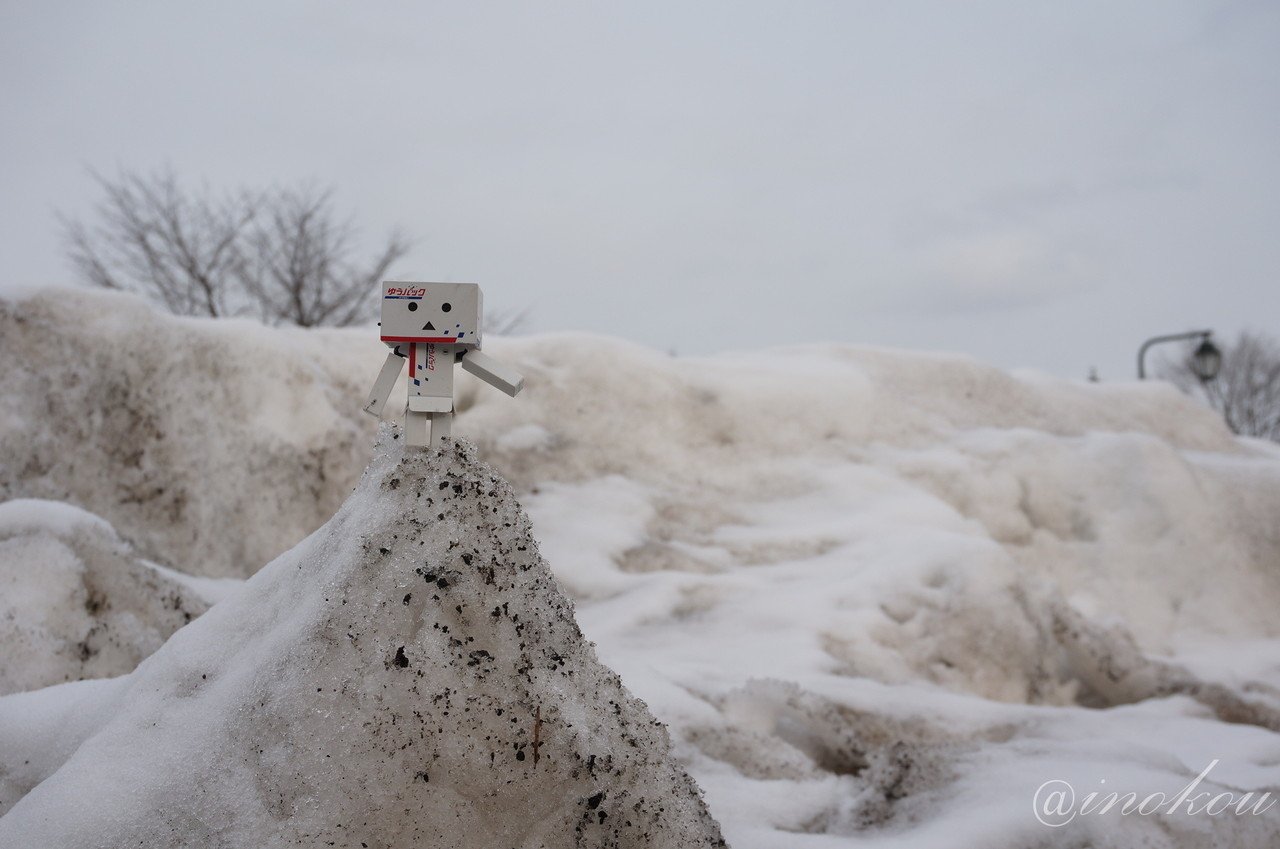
(444, 313)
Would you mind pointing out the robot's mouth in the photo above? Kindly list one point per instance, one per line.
(428, 326)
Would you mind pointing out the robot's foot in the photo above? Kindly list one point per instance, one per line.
(424, 429)
(441, 426)
(416, 429)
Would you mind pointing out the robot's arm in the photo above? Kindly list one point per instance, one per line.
(492, 372)
(384, 384)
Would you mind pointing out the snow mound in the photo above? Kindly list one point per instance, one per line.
(222, 437)
(889, 768)
(75, 601)
(408, 676)
(237, 440)
(878, 596)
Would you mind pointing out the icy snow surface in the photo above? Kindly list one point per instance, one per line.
(879, 597)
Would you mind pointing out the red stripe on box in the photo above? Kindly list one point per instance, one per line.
(438, 340)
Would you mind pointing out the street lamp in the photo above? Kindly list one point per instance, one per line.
(1205, 362)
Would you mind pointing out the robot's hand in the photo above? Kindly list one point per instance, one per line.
(492, 372)
(384, 384)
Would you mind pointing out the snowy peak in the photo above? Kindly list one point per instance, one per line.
(409, 675)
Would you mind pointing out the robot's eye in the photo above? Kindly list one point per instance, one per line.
(446, 307)
(413, 305)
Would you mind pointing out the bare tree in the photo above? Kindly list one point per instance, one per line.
(280, 253)
(302, 273)
(1246, 390)
(151, 237)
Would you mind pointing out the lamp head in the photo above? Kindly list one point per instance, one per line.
(1207, 360)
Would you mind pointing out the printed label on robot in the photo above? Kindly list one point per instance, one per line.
(403, 292)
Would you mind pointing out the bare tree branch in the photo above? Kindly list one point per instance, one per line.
(280, 253)
(1247, 389)
(152, 238)
(302, 270)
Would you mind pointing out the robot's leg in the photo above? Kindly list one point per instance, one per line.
(441, 425)
(415, 428)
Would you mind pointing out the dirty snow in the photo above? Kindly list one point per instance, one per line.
(879, 597)
(410, 675)
(209, 445)
(76, 602)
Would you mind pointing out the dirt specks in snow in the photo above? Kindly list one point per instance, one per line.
(471, 702)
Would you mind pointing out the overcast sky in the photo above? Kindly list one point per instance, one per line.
(1038, 184)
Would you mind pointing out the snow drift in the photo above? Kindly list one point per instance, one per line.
(879, 597)
(210, 445)
(76, 602)
(410, 675)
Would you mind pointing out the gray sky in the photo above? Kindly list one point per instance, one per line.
(1036, 183)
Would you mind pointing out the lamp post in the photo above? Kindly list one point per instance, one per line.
(1205, 362)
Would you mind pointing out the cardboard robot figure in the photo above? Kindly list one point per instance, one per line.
(432, 326)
